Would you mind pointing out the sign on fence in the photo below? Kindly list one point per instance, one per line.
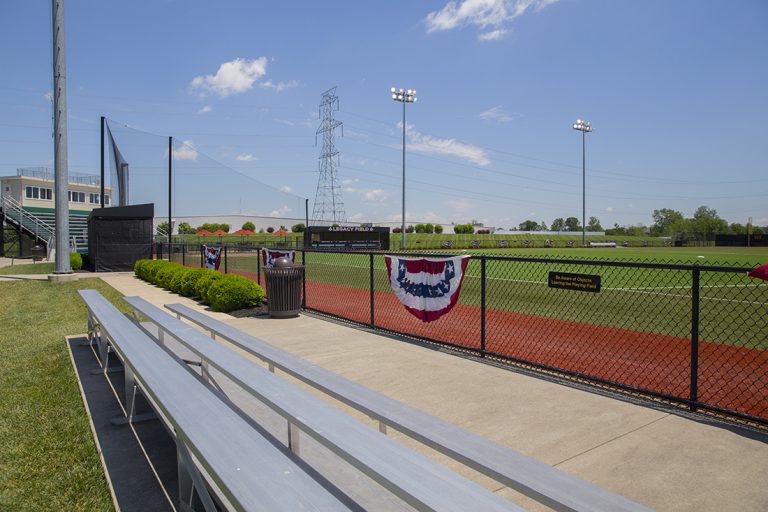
(580, 282)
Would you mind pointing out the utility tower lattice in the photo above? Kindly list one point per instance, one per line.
(328, 203)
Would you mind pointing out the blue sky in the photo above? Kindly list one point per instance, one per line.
(676, 92)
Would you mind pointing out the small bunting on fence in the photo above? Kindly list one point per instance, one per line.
(760, 272)
(268, 256)
(212, 257)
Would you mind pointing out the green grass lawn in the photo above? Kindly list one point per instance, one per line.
(48, 459)
(28, 268)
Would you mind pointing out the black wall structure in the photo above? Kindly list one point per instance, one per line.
(119, 236)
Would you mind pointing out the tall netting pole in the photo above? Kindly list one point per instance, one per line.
(61, 176)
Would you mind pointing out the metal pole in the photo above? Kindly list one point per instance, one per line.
(370, 281)
(102, 161)
(402, 242)
(170, 196)
(583, 189)
(482, 305)
(61, 176)
(695, 287)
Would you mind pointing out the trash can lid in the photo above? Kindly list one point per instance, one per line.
(283, 262)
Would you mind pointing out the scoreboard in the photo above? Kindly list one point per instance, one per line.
(347, 237)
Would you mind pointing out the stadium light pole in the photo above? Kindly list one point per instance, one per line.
(403, 96)
(584, 127)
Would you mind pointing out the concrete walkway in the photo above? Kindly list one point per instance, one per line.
(660, 459)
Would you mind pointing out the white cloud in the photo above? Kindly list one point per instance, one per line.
(232, 77)
(280, 212)
(609, 209)
(429, 145)
(246, 157)
(205, 109)
(376, 195)
(286, 189)
(349, 181)
(461, 206)
(487, 15)
(493, 35)
(499, 115)
(279, 86)
(48, 96)
(185, 151)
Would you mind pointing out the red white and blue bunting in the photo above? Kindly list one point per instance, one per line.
(427, 287)
(268, 256)
(212, 257)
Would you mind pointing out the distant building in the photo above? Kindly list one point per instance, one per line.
(33, 188)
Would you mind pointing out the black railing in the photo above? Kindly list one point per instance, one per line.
(695, 335)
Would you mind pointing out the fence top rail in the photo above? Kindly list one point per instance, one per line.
(568, 261)
(533, 478)
(421, 482)
(252, 472)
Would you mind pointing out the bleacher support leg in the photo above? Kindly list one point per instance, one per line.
(293, 439)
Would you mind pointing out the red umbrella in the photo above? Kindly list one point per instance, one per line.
(219, 232)
(243, 232)
(280, 232)
(203, 232)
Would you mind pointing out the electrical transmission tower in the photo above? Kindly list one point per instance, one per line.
(328, 203)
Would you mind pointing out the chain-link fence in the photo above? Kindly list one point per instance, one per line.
(690, 334)
(694, 335)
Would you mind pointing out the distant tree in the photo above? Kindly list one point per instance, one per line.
(572, 224)
(429, 228)
(594, 224)
(705, 223)
(397, 230)
(738, 229)
(558, 224)
(543, 226)
(186, 229)
(249, 226)
(638, 230)
(409, 229)
(438, 228)
(529, 225)
(466, 229)
(298, 228)
(419, 228)
(334, 225)
(270, 229)
(283, 228)
(664, 219)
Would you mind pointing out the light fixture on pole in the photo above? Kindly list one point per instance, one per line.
(403, 96)
(584, 127)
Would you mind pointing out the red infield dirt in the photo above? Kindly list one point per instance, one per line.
(730, 377)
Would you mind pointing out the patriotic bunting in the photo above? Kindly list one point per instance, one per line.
(212, 257)
(268, 256)
(427, 287)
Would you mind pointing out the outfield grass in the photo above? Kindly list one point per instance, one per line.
(654, 300)
(48, 459)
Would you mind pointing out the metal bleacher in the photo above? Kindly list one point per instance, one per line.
(41, 227)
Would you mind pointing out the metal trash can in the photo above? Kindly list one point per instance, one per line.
(284, 284)
(38, 253)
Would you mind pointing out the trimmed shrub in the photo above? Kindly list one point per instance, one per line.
(189, 281)
(205, 282)
(223, 292)
(75, 261)
(234, 292)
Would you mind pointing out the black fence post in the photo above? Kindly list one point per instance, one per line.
(258, 266)
(695, 281)
(482, 306)
(370, 280)
(304, 280)
(202, 250)
(184, 254)
(225, 260)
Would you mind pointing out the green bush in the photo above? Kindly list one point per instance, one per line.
(205, 282)
(75, 261)
(189, 281)
(223, 292)
(234, 292)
